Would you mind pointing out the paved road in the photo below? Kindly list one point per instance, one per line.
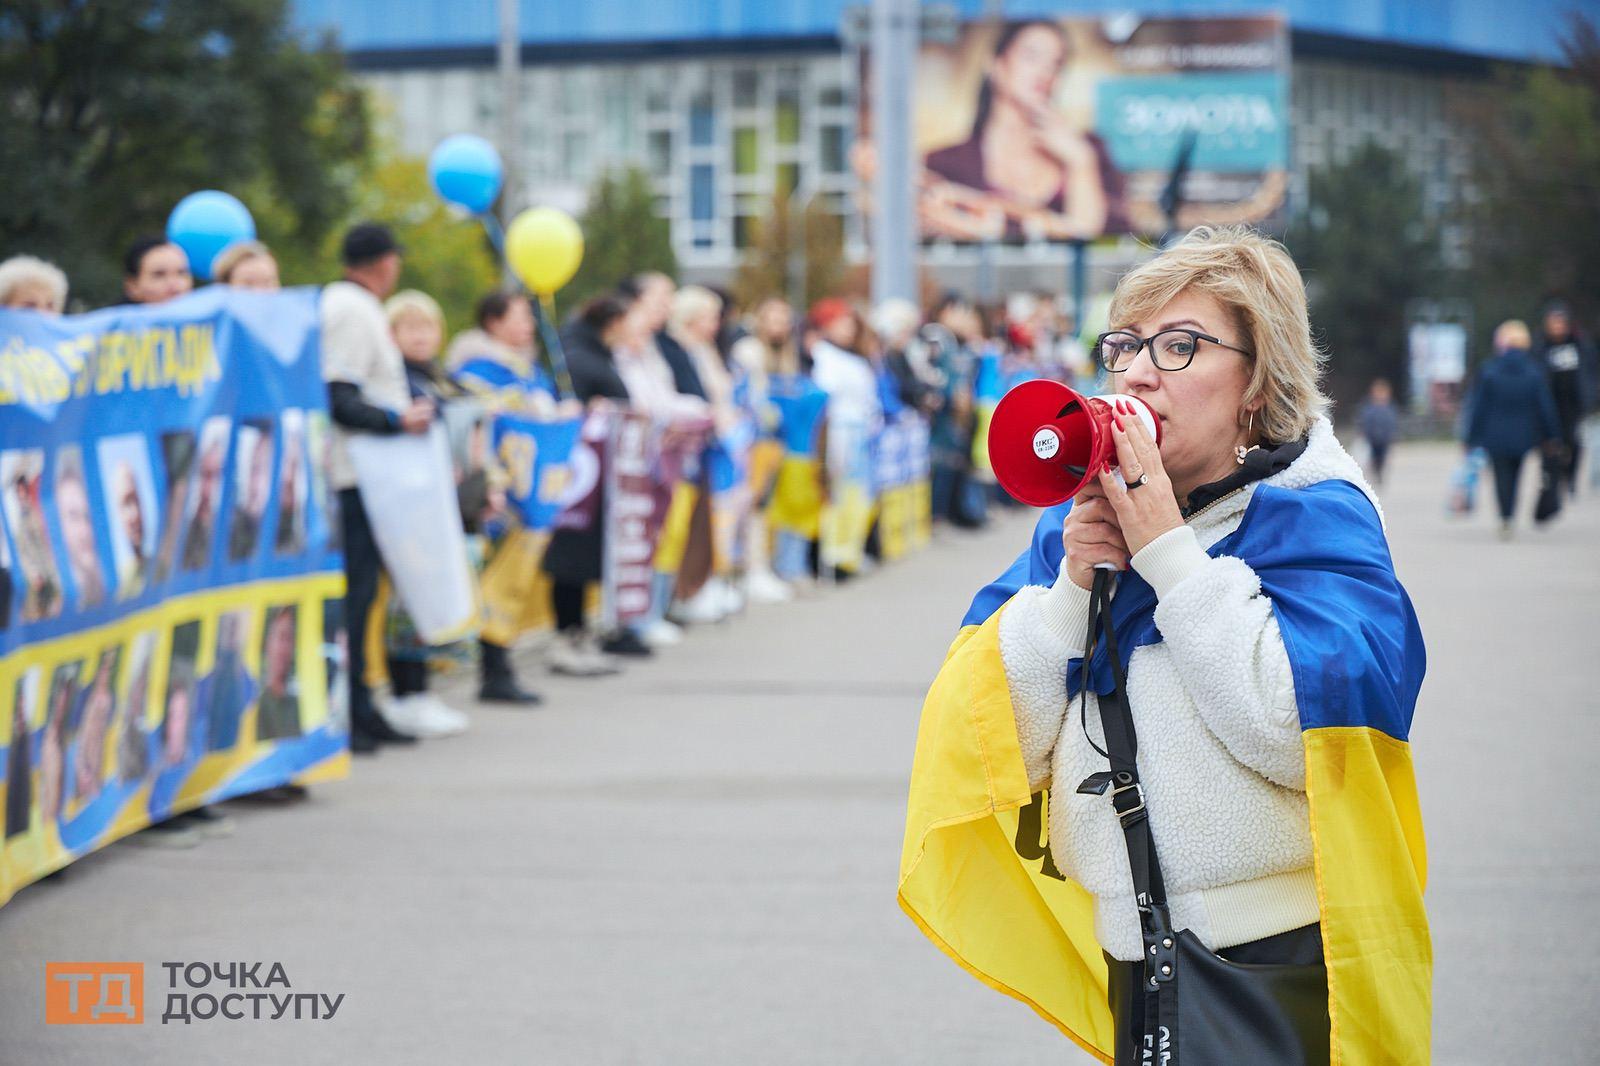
(695, 863)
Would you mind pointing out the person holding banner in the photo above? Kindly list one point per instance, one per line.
(764, 356)
(573, 558)
(155, 270)
(247, 265)
(32, 284)
(418, 325)
(367, 393)
(842, 368)
(497, 361)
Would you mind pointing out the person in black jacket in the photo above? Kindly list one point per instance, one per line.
(652, 293)
(1568, 361)
(574, 556)
(1510, 413)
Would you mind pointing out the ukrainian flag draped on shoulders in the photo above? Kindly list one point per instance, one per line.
(976, 873)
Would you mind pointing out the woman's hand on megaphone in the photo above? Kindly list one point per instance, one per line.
(1145, 511)
(1092, 537)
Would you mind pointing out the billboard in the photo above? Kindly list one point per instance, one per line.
(1074, 128)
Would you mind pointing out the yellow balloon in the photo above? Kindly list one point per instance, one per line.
(544, 246)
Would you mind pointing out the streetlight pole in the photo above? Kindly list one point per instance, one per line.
(509, 64)
(896, 29)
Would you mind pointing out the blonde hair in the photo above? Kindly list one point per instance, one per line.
(1257, 283)
(413, 301)
(22, 270)
(228, 260)
(692, 301)
(1512, 334)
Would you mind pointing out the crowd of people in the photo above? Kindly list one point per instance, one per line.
(816, 382)
(684, 356)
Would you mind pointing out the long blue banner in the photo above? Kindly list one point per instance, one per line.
(169, 579)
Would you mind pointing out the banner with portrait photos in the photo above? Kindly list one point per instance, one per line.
(1058, 129)
(170, 589)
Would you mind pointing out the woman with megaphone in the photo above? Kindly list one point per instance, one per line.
(1183, 711)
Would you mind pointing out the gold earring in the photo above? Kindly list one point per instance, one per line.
(1239, 450)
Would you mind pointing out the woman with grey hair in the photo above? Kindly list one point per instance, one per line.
(30, 283)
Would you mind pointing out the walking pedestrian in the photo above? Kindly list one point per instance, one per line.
(1379, 423)
(1568, 361)
(1510, 412)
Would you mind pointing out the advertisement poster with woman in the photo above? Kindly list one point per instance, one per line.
(1074, 128)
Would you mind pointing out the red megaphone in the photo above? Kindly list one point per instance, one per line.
(1047, 441)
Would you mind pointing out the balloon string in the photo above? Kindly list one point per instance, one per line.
(544, 312)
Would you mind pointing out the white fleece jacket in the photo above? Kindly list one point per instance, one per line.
(1220, 752)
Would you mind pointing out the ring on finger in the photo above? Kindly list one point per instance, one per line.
(1138, 482)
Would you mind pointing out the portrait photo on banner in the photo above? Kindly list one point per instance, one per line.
(135, 522)
(41, 593)
(88, 760)
(278, 710)
(229, 689)
(177, 456)
(19, 753)
(133, 724)
(76, 519)
(205, 496)
(179, 733)
(294, 489)
(60, 729)
(252, 485)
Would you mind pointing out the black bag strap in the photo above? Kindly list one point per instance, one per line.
(1122, 747)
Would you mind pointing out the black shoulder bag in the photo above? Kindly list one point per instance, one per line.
(1199, 1008)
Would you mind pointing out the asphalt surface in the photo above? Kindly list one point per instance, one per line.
(695, 862)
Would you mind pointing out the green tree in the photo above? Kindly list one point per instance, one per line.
(1367, 250)
(112, 112)
(622, 235)
(447, 254)
(1533, 226)
(795, 253)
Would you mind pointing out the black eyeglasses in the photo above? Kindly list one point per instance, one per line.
(1171, 349)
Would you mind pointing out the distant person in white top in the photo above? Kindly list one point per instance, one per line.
(367, 393)
(841, 370)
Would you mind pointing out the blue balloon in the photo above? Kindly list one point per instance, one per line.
(466, 171)
(206, 222)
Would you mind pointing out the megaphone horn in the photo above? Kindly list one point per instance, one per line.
(1046, 441)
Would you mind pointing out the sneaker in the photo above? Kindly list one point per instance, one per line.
(732, 598)
(362, 742)
(209, 822)
(576, 656)
(400, 712)
(704, 607)
(660, 633)
(435, 718)
(763, 586)
(626, 642)
(173, 833)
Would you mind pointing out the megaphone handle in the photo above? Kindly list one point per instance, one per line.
(1116, 473)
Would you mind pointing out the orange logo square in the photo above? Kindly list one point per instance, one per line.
(94, 993)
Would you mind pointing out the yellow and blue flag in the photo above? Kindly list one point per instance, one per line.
(976, 873)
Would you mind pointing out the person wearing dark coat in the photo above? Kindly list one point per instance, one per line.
(1510, 413)
(1568, 361)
